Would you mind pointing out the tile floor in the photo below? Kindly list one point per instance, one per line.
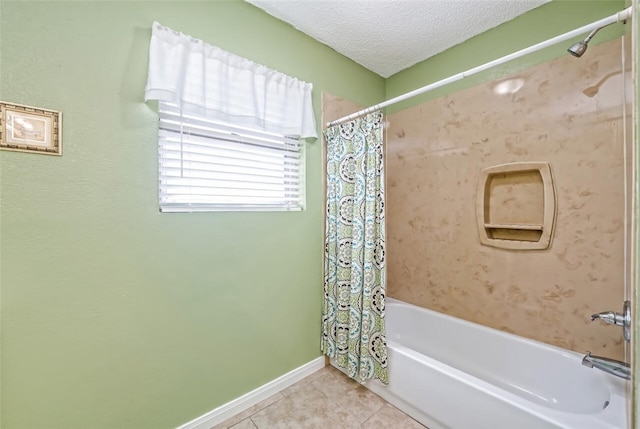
(326, 399)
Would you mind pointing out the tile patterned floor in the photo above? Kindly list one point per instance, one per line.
(326, 399)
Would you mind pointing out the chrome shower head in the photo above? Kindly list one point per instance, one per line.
(577, 49)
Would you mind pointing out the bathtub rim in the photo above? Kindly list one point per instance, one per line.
(484, 328)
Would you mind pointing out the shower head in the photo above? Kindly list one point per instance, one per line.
(577, 49)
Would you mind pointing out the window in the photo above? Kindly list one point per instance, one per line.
(230, 129)
(208, 165)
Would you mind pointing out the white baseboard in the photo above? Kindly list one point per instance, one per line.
(250, 399)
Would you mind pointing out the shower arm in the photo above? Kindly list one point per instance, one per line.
(595, 30)
(590, 36)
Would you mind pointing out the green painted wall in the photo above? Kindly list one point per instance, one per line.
(117, 316)
(114, 315)
(537, 25)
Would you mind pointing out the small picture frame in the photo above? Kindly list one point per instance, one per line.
(30, 129)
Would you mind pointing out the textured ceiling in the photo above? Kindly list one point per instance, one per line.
(387, 36)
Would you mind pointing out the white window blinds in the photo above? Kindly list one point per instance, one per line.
(207, 165)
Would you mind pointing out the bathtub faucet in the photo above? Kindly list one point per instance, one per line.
(619, 319)
(611, 366)
(609, 317)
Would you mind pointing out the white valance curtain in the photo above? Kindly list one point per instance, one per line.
(206, 80)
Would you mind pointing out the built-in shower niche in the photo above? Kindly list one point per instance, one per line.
(516, 206)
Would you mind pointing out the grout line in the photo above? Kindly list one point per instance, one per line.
(277, 401)
(227, 426)
(370, 417)
(314, 384)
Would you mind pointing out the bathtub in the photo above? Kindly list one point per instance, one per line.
(449, 373)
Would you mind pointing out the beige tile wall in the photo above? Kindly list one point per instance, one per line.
(435, 152)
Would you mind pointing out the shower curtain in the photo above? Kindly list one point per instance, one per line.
(353, 330)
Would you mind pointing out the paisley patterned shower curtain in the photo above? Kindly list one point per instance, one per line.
(353, 330)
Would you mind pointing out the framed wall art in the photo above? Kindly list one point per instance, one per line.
(30, 129)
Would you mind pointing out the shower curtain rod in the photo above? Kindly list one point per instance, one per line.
(618, 17)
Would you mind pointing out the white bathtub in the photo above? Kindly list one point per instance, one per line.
(449, 373)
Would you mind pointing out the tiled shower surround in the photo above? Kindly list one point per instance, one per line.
(567, 112)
